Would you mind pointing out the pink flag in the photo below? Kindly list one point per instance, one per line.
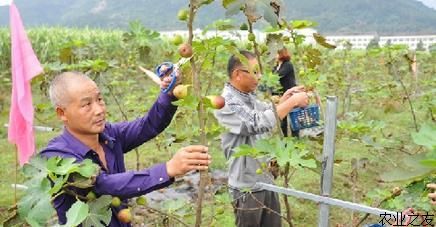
(25, 66)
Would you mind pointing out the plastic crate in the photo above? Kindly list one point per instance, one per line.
(307, 117)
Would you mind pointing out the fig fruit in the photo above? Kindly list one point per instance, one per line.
(185, 50)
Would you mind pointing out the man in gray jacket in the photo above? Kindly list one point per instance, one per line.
(249, 119)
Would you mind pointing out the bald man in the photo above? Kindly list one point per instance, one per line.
(80, 106)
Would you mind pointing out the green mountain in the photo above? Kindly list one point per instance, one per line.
(385, 17)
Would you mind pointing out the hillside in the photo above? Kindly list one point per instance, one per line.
(385, 17)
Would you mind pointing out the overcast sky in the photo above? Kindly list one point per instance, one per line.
(429, 3)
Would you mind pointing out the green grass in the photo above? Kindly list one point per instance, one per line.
(148, 155)
(395, 139)
(9, 175)
(305, 213)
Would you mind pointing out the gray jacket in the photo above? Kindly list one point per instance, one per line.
(248, 119)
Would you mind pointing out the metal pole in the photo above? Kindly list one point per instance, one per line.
(325, 200)
(328, 155)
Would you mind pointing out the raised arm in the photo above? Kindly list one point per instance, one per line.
(135, 133)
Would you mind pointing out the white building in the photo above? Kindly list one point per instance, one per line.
(411, 41)
(362, 41)
(357, 41)
(237, 34)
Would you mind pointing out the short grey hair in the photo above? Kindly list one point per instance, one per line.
(59, 87)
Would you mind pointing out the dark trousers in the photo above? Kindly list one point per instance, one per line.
(284, 126)
(249, 211)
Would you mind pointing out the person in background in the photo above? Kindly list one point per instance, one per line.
(285, 70)
(248, 120)
(79, 104)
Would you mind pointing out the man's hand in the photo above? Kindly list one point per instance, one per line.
(432, 194)
(291, 91)
(194, 157)
(300, 99)
(166, 80)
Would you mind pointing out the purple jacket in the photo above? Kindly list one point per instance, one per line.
(116, 140)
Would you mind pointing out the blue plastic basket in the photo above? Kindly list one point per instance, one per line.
(307, 117)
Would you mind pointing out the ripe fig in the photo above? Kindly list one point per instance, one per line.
(217, 101)
(181, 91)
(185, 50)
(124, 215)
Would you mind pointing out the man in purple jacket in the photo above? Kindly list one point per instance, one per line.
(87, 135)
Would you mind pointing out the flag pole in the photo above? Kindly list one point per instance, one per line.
(16, 175)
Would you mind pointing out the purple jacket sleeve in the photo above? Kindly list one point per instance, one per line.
(134, 133)
(133, 183)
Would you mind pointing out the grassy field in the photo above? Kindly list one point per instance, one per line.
(305, 213)
(373, 135)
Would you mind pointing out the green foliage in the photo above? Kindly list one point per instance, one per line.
(420, 46)
(301, 24)
(35, 206)
(221, 25)
(411, 169)
(285, 151)
(112, 57)
(322, 41)
(99, 211)
(271, 80)
(189, 102)
(77, 213)
(274, 44)
(180, 207)
(425, 136)
(414, 195)
(374, 43)
(355, 126)
(141, 38)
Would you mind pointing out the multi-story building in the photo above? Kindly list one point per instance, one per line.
(357, 41)
(362, 41)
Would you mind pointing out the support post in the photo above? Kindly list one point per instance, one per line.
(328, 155)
